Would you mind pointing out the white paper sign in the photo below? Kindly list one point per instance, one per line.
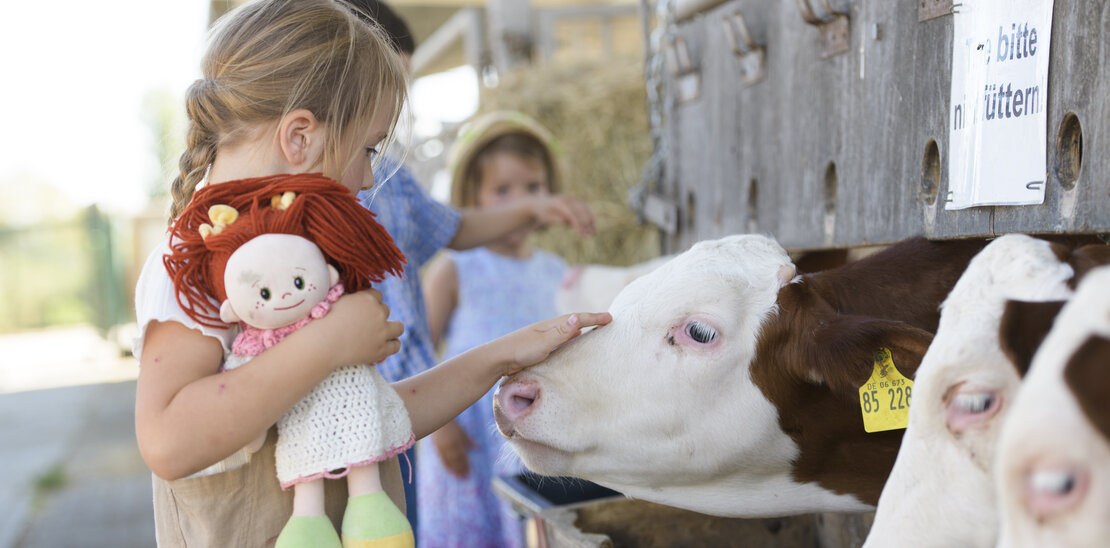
(998, 122)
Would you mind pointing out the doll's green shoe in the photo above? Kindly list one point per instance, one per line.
(373, 521)
(308, 532)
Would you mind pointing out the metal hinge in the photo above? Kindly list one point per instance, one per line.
(931, 9)
(834, 30)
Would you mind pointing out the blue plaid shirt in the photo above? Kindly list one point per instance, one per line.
(420, 226)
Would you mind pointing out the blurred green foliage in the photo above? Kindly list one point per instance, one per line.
(59, 273)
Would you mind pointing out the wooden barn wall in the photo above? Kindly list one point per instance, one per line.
(870, 115)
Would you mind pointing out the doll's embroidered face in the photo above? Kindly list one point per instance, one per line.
(274, 280)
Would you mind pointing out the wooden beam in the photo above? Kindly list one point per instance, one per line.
(465, 28)
(510, 32)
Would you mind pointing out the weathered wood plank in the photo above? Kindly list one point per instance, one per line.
(878, 117)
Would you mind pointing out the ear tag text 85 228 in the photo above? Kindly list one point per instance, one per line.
(885, 398)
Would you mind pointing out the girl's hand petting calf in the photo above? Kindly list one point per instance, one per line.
(531, 345)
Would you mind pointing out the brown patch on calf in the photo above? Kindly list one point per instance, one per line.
(817, 261)
(1087, 375)
(813, 356)
(1023, 328)
(906, 281)
(1082, 256)
(1085, 258)
(1025, 324)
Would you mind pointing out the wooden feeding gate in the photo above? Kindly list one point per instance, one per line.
(826, 123)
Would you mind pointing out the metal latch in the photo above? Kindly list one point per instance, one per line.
(751, 54)
(931, 9)
(687, 78)
(833, 29)
(660, 212)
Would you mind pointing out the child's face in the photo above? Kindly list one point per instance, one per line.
(359, 175)
(507, 177)
(275, 279)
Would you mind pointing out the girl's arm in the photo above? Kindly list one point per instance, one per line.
(441, 295)
(478, 227)
(189, 416)
(441, 291)
(439, 394)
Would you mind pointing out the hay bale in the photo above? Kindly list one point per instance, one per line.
(598, 113)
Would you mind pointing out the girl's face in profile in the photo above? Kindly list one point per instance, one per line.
(359, 174)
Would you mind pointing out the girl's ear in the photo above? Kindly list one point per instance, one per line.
(333, 274)
(301, 138)
(227, 314)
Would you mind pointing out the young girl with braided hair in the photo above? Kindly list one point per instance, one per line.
(288, 87)
(276, 252)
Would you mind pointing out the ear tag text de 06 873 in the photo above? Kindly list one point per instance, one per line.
(885, 398)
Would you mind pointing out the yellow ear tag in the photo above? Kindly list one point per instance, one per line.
(885, 397)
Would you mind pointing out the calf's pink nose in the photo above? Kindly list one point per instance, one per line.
(516, 399)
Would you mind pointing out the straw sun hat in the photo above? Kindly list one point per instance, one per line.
(481, 131)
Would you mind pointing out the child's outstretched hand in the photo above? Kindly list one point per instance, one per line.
(565, 210)
(530, 345)
(452, 443)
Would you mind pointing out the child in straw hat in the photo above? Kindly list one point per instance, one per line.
(473, 297)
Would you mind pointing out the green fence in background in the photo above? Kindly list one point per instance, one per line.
(61, 273)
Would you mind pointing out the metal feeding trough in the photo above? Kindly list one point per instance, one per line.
(573, 513)
(529, 493)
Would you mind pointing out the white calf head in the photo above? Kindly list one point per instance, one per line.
(1053, 466)
(940, 491)
(657, 396)
(725, 386)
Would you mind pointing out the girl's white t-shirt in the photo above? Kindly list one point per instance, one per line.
(155, 300)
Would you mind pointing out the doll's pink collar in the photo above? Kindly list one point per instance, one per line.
(251, 341)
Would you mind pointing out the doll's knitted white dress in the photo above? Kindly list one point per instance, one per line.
(352, 418)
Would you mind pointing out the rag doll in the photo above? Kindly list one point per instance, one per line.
(275, 253)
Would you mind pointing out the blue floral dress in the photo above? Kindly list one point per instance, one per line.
(496, 295)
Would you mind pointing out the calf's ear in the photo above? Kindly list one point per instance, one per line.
(1087, 375)
(1023, 327)
(1083, 259)
(842, 353)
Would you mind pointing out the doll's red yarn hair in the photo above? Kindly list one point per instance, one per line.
(324, 212)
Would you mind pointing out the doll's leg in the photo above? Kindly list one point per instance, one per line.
(309, 527)
(371, 520)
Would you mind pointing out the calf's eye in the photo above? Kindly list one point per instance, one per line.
(974, 403)
(1053, 489)
(701, 332)
(1055, 482)
(970, 406)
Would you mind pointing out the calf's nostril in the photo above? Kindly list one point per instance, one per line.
(519, 403)
(517, 399)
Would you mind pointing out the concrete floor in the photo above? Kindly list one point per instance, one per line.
(73, 474)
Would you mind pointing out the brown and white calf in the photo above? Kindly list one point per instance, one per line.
(729, 386)
(1053, 465)
(940, 492)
